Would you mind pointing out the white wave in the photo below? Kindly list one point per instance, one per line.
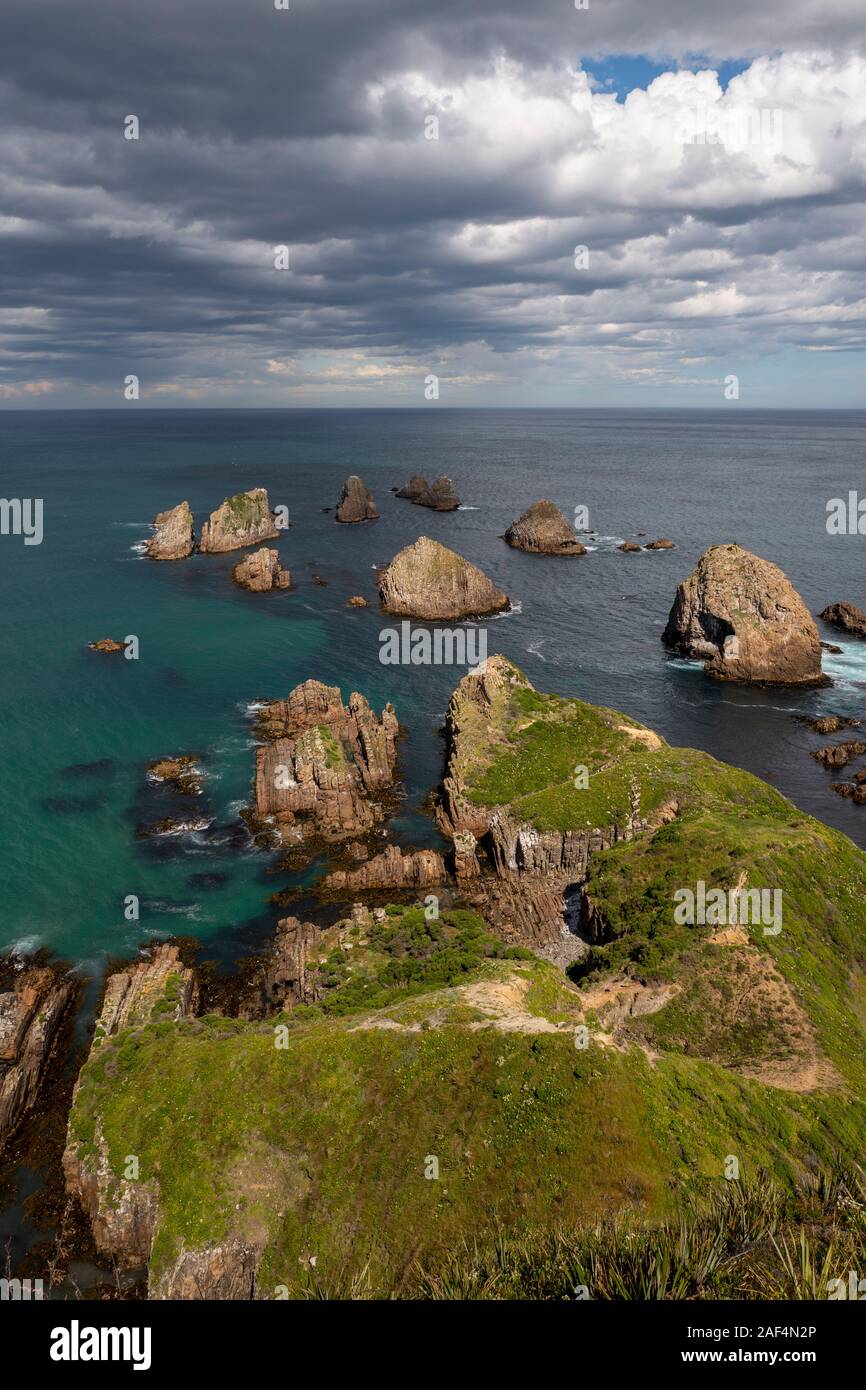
(847, 666)
(135, 525)
(191, 910)
(461, 508)
(534, 648)
(510, 613)
(140, 547)
(25, 945)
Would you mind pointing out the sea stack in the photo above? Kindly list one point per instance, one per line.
(426, 580)
(543, 530)
(745, 619)
(262, 572)
(245, 519)
(356, 504)
(439, 496)
(173, 537)
(845, 616)
(414, 488)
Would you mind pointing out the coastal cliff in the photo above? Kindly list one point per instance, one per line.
(35, 1001)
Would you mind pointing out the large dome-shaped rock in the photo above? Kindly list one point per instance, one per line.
(427, 580)
(356, 503)
(262, 572)
(745, 619)
(173, 537)
(245, 519)
(846, 616)
(543, 530)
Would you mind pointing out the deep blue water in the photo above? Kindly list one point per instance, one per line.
(588, 626)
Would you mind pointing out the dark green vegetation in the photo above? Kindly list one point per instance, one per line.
(750, 1240)
(404, 955)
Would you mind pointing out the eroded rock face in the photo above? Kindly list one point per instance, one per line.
(745, 619)
(414, 488)
(543, 530)
(34, 1002)
(289, 975)
(245, 519)
(262, 572)
(173, 537)
(324, 766)
(845, 616)
(123, 1213)
(182, 773)
(426, 580)
(512, 873)
(423, 868)
(356, 503)
(439, 496)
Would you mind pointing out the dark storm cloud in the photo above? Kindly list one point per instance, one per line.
(261, 127)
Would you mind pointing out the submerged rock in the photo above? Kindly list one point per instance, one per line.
(745, 619)
(262, 572)
(426, 580)
(183, 773)
(173, 537)
(245, 519)
(356, 503)
(325, 766)
(543, 530)
(845, 616)
(357, 601)
(630, 547)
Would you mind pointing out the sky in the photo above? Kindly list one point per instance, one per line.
(430, 203)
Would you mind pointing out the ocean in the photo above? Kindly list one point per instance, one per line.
(79, 728)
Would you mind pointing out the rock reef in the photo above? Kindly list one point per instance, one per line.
(543, 530)
(439, 495)
(847, 617)
(742, 616)
(261, 572)
(356, 503)
(427, 580)
(393, 869)
(173, 537)
(241, 520)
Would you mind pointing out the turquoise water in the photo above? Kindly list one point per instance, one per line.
(79, 728)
